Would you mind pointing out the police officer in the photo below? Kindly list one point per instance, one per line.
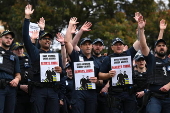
(139, 80)
(123, 101)
(102, 88)
(158, 73)
(23, 104)
(83, 101)
(9, 74)
(69, 87)
(44, 96)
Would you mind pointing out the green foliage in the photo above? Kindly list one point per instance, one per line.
(110, 18)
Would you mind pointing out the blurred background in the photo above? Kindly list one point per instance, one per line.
(110, 18)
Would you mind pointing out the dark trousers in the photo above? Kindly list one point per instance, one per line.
(125, 103)
(156, 105)
(44, 100)
(102, 106)
(23, 104)
(7, 99)
(84, 101)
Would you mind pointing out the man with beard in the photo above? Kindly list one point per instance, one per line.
(158, 73)
(98, 46)
(9, 74)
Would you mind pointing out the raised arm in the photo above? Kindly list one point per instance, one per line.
(68, 45)
(162, 27)
(71, 26)
(136, 44)
(86, 27)
(60, 37)
(144, 47)
(31, 49)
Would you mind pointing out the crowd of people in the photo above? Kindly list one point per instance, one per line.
(130, 80)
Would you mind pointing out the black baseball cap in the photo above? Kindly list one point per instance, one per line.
(160, 40)
(68, 65)
(117, 40)
(7, 32)
(139, 57)
(46, 34)
(16, 45)
(98, 40)
(83, 40)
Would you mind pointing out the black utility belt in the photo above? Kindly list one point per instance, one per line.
(7, 81)
(160, 96)
(118, 89)
(43, 85)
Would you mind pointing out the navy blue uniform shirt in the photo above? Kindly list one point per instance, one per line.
(4, 75)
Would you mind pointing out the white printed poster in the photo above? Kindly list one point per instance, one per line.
(123, 68)
(33, 27)
(47, 63)
(82, 73)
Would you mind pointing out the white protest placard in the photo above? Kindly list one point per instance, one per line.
(33, 27)
(82, 73)
(47, 63)
(123, 68)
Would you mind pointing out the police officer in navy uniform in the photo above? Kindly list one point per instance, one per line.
(102, 88)
(44, 96)
(123, 101)
(139, 80)
(69, 87)
(23, 104)
(158, 74)
(83, 101)
(9, 74)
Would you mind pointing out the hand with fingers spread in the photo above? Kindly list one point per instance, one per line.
(73, 30)
(137, 15)
(35, 35)
(162, 24)
(73, 21)
(86, 26)
(28, 11)
(41, 23)
(141, 22)
(60, 38)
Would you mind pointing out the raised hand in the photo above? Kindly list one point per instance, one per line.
(28, 10)
(41, 23)
(73, 30)
(137, 15)
(35, 35)
(162, 24)
(60, 38)
(73, 21)
(141, 22)
(86, 26)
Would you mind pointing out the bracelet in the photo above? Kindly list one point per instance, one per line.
(62, 44)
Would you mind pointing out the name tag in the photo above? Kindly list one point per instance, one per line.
(81, 59)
